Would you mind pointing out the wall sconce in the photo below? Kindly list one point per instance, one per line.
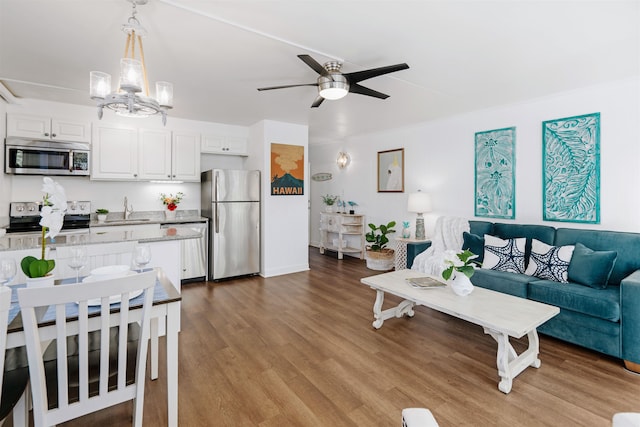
(420, 203)
(343, 160)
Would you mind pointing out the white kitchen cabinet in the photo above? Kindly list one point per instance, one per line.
(145, 154)
(154, 154)
(43, 127)
(218, 144)
(185, 156)
(114, 154)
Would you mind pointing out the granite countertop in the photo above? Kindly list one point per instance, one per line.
(147, 217)
(13, 242)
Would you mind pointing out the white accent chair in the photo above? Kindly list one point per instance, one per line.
(104, 354)
(418, 417)
(13, 383)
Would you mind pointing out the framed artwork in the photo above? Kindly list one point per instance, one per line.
(495, 163)
(571, 169)
(391, 171)
(287, 170)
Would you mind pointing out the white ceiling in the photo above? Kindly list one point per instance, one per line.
(464, 55)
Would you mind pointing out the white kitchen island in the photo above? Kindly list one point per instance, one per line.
(164, 243)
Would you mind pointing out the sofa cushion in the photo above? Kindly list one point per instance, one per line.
(502, 281)
(474, 243)
(480, 228)
(626, 244)
(600, 303)
(591, 268)
(549, 262)
(503, 255)
(544, 233)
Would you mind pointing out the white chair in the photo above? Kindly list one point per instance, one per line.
(13, 382)
(418, 417)
(99, 350)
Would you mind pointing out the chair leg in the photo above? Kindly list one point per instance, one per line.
(21, 410)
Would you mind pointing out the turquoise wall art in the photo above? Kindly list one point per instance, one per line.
(495, 173)
(571, 169)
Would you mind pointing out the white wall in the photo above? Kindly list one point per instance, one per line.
(439, 159)
(143, 196)
(284, 228)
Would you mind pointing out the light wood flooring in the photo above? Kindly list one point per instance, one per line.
(299, 350)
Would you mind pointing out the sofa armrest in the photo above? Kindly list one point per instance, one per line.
(630, 317)
(413, 249)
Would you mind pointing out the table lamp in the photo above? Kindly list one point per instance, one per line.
(420, 203)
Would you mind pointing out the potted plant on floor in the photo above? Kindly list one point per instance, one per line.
(378, 256)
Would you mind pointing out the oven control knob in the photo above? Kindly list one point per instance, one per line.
(31, 208)
(73, 206)
(20, 208)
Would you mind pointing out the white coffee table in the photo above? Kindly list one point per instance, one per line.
(501, 315)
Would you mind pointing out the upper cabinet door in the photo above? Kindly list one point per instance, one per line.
(218, 144)
(114, 154)
(186, 156)
(42, 127)
(69, 130)
(154, 154)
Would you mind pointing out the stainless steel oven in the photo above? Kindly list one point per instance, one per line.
(24, 156)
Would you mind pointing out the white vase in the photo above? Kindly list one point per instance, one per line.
(170, 214)
(40, 282)
(461, 285)
(102, 217)
(328, 208)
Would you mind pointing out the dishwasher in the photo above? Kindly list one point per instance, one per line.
(193, 252)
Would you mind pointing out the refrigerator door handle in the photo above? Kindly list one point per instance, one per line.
(217, 219)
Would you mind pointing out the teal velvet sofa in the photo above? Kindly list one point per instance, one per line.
(604, 318)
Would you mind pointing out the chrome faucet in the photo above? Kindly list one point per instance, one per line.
(128, 209)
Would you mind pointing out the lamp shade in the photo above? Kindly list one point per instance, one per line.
(419, 202)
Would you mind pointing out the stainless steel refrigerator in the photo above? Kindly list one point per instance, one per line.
(231, 201)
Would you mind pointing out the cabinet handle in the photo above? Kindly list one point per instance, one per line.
(168, 176)
(46, 134)
(135, 175)
(53, 135)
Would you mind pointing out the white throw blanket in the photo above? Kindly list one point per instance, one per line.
(447, 236)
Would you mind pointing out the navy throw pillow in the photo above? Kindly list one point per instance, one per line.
(591, 268)
(474, 243)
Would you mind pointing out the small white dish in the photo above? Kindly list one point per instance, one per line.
(110, 272)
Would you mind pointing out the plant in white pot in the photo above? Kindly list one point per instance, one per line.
(102, 214)
(38, 271)
(378, 256)
(460, 266)
(329, 200)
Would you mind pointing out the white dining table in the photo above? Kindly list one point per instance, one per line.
(165, 311)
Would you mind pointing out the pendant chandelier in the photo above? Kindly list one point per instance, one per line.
(127, 100)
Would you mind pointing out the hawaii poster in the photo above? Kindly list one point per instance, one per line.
(287, 170)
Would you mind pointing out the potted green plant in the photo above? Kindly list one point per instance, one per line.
(460, 266)
(329, 201)
(38, 271)
(102, 214)
(378, 256)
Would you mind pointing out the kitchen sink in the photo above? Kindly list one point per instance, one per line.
(128, 220)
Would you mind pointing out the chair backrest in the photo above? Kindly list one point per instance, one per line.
(63, 302)
(98, 256)
(5, 303)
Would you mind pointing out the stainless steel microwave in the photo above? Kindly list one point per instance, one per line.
(24, 156)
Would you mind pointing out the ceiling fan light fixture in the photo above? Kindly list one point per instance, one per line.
(333, 86)
(126, 100)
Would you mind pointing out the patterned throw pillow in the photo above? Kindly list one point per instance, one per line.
(549, 262)
(504, 255)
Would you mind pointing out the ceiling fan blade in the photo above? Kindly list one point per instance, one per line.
(313, 64)
(286, 86)
(359, 76)
(317, 102)
(356, 88)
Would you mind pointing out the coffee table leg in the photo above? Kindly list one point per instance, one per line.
(510, 364)
(405, 307)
